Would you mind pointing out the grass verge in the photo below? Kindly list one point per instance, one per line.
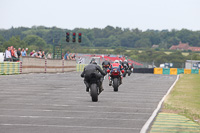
(184, 98)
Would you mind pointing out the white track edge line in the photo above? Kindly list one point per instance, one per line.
(154, 114)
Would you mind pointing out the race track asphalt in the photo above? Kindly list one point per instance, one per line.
(58, 103)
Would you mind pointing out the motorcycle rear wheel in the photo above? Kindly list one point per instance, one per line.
(115, 84)
(124, 74)
(94, 92)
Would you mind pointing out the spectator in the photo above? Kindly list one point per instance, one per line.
(35, 54)
(39, 54)
(63, 55)
(12, 52)
(15, 50)
(70, 56)
(43, 54)
(26, 51)
(67, 56)
(19, 52)
(73, 56)
(49, 56)
(32, 52)
(8, 55)
(23, 52)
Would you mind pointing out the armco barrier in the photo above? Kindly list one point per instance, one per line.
(143, 70)
(173, 71)
(9, 67)
(37, 65)
(158, 71)
(195, 71)
(166, 71)
(187, 71)
(180, 71)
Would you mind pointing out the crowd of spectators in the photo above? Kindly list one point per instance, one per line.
(70, 56)
(12, 54)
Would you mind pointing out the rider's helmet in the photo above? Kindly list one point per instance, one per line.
(93, 61)
(116, 61)
(125, 60)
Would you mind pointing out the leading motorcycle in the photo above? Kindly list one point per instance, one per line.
(94, 87)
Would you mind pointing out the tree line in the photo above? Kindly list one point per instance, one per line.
(119, 39)
(41, 36)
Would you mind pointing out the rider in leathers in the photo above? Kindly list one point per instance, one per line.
(116, 64)
(105, 63)
(93, 68)
(125, 64)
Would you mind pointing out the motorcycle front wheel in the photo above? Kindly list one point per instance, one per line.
(94, 92)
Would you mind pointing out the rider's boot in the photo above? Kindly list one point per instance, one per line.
(110, 82)
(121, 80)
(87, 86)
(100, 88)
(87, 89)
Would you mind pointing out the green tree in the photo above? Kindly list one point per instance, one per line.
(34, 40)
(143, 43)
(14, 41)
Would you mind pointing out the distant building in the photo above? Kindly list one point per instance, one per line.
(184, 46)
(194, 48)
(192, 64)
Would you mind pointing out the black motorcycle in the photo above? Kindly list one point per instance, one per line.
(126, 70)
(94, 88)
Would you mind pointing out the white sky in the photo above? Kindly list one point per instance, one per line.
(70, 14)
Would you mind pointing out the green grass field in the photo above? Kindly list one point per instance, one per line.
(184, 98)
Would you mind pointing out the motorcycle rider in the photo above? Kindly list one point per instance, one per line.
(131, 67)
(125, 64)
(105, 63)
(117, 65)
(93, 68)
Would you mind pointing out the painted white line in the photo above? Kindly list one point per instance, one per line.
(71, 111)
(130, 94)
(65, 126)
(154, 114)
(54, 110)
(74, 105)
(85, 118)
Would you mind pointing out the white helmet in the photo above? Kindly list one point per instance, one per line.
(116, 61)
(125, 60)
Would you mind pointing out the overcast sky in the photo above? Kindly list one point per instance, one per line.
(70, 14)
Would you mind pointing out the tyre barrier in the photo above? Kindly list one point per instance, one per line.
(80, 67)
(10, 68)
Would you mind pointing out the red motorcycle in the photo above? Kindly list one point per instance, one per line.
(115, 78)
